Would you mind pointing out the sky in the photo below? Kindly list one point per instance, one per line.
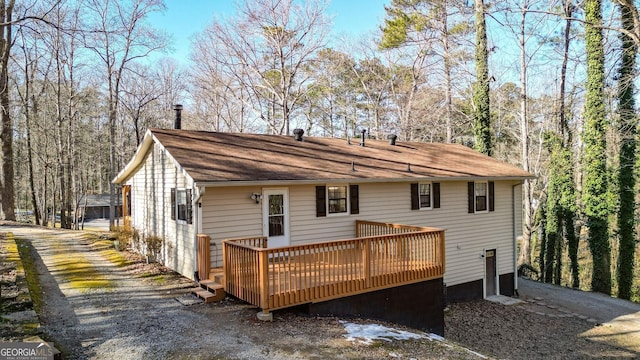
(184, 18)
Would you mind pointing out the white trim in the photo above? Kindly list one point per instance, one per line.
(141, 153)
(265, 214)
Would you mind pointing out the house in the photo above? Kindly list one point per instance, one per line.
(96, 206)
(294, 191)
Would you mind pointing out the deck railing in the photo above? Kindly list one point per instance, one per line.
(382, 256)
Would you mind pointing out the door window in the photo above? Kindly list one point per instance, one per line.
(276, 215)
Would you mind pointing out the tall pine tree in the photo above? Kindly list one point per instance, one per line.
(595, 189)
(481, 114)
(627, 156)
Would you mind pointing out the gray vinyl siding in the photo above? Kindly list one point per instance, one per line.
(151, 210)
(229, 212)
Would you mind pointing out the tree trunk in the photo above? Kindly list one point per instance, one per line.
(594, 160)
(525, 254)
(626, 179)
(7, 193)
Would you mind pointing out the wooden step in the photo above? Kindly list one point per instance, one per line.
(205, 295)
(207, 283)
(219, 278)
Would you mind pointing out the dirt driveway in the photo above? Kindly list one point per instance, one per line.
(94, 309)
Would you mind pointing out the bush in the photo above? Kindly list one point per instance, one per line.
(154, 246)
(125, 236)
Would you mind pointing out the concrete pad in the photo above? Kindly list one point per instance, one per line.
(504, 300)
(262, 316)
(22, 316)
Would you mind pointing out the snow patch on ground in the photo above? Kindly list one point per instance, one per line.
(367, 333)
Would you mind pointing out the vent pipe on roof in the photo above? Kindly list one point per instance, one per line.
(177, 124)
(392, 139)
(298, 134)
(364, 131)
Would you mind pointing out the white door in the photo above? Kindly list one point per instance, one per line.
(275, 213)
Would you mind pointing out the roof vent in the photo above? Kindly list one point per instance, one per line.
(363, 131)
(298, 134)
(392, 139)
(177, 124)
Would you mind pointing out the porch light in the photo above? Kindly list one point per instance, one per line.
(256, 197)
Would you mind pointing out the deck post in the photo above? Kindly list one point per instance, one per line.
(204, 257)
(366, 258)
(263, 274)
(225, 266)
(442, 257)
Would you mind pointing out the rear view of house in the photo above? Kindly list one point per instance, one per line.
(295, 191)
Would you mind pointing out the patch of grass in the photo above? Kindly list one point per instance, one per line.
(115, 257)
(80, 273)
(26, 250)
(107, 249)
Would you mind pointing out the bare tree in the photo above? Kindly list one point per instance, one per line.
(140, 89)
(265, 48)
(118, 36)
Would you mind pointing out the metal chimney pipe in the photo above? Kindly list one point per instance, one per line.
(177, 124)
(364, 131)
(298, 133)
(392, 139)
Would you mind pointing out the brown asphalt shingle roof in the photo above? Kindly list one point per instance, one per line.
(224, 157)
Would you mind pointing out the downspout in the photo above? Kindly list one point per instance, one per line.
(196, 224)
(515, 239)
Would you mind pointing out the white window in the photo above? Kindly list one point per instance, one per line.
(481, 196)
(425, 195)
(337, 196)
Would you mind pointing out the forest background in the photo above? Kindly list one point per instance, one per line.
(549, 86)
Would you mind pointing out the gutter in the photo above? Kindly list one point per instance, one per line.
(515, 238)
(226, 183)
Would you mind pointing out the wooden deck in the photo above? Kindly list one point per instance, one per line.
(381, 256)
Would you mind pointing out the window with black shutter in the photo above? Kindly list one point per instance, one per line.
(337, 199)
(481, 196)
(181, 208)
(425, 196)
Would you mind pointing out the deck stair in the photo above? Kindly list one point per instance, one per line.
(211, 290)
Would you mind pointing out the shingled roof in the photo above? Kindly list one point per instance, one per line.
(218, 157)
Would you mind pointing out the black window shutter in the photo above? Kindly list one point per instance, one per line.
(472, 194)
(436, 195)
(492, 202)
(173, 203)
(189, 208)
(415, 197)
(354, 199)
(321, 201)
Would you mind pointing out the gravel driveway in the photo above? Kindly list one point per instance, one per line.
(133, 316)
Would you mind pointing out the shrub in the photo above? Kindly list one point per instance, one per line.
(153, 246)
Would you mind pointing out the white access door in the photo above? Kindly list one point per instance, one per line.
(275, 213)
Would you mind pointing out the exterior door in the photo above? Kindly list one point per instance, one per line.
(490, 273)
(275, 222)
